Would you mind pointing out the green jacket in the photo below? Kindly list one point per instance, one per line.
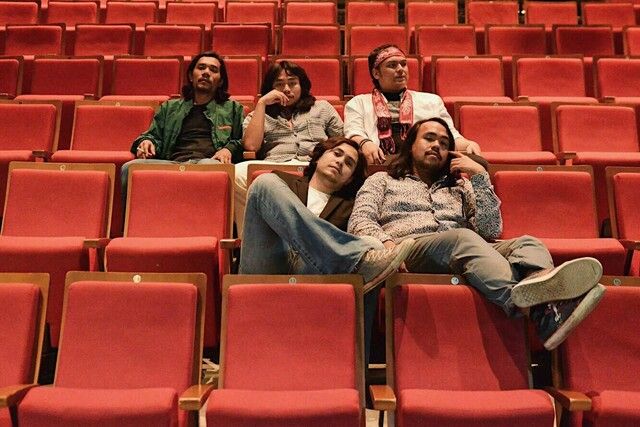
(226, 127)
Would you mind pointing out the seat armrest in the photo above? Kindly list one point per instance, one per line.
(566, 157)
(571, 400)
(249, 155)
(608, 100)
(13, 394)
(382, 397)
(522, 98)
(230, 243)
(96, 243)
(630, 245)
(194, 397)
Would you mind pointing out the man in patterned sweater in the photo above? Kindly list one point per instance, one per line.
(423, 196)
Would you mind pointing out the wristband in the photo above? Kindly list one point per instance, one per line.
(363, 142)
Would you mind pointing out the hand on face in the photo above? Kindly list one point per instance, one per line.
(275, 97)
(461, 163)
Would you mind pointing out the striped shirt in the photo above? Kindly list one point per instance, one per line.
(295, 139)
(393, 209)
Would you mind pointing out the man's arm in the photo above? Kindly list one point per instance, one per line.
(354, 129)
(149, 142)
(334, 125)
(365, 217)
(254, 125)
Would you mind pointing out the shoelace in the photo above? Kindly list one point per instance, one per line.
(556, 312)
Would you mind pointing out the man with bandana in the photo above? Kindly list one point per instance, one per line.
(379, 120)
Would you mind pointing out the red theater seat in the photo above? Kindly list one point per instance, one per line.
(246, 72)
(555, 204)
(131, 79)
(468, 79)
(33, 40)
(597, 135)
(454, 359)
(325, 75)
(631, 38)
(310, 40)
(361, 79)
(51, 211)
(131, 345)
(310, 12)
(481, 13)
(192, 13)
(507, 133)
(624, 207)
(364, 12)
(362, 39)
(23, 303)
(11, 74)
(310, 368)
(550, 79)
(91, 144)
(597, 357)
(167, 39)
(242, 39)
(195, 206)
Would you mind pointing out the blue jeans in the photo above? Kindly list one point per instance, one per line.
(282, 236)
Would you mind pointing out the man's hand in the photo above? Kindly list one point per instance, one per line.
(463, 164)
(373, 153)
(467, 146)
(146, 149)
(223, 155)
(274, 97)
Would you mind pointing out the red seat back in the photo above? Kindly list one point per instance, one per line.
(310, 40)
(33, 40)
(239, 39)
(245, 75)
(103, 39)
(547, 204)
(137, 12)
(371, 12)
(615, 14)
(632, 41)
(362, 39)
(57, 202)
(316, 12)
(192, 13)
(587, 41)
(436, 347)
(481, 13)
(446, 40)
(515, 40)
(18, 12)
(192, 203)
(550, 13)
(430, 13)
(11, 76)
(618, 77)
(468, 77)
(627, 205)
(300, 348)
(69, 76)
(28, 126)
(131, 76)
(185, 40)
(72, 12)
(550, 77)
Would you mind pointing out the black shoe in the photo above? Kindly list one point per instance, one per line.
(555, 320)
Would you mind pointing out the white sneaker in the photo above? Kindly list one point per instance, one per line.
(378, 264)
(569, 280)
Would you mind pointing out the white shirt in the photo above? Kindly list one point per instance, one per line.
(360, 120)
(317, 200)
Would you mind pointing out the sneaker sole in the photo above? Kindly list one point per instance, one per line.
(586, 306)
(393, 265)
(569, 280)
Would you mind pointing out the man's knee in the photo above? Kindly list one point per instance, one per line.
(527, 240)
(465, 235)
(265, 184)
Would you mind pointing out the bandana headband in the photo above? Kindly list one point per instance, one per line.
(387, 53)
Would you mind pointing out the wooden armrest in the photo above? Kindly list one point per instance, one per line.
(631, 245)
(96, 243)
(571, 400)
(230, 243)
(249, 155)
(89, 96)
(41, 154)
(522, 98)
(608, 99)
(5, 95)
(13, 394)
(194, 397)
(175, 95)
(382, 397)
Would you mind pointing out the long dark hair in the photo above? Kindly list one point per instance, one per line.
(306, 100)
(359, 173)
(221, 95)
(402, 165)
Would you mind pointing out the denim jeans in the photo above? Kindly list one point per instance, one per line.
(282, 236)
(492, 268)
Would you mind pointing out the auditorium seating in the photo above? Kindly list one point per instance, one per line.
(55, 215)
(468, 79)
(618, 78)
(192, 13)
(361, 39)
(27, 130)
(361, 79)
(367, 12)
(549, 79)
(33, 40)
(174, 223)
(310, 369)
(631, 37)
(103, 133)
(23, 304)
(131, 79)
(437, 384)
(305, 12)
(550, 14)
(507, 133)
(103, 39)
(596, 135)
(310, 40)
(557, 205)
(618, 15)
(246, 77)
(167, 40)
(481, 13)
(325, 75)
(131, 345)
(624, 208)
(595, 361)
(18, 12)
(11, 74)
(242, 39)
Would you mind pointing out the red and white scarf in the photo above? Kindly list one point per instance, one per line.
(381, 111)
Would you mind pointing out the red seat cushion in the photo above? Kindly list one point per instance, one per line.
(81, 156)
(614, 409)
(608, 251)
(445, 408)
(59, 406)
(520, 157)
(236, 408)
(5, 418)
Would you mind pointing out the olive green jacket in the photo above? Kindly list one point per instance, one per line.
(226, 127)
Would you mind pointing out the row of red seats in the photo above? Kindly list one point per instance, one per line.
(326, 12)
(314, 40)
(425, 372)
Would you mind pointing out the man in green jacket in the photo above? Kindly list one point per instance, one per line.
(204, 126)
